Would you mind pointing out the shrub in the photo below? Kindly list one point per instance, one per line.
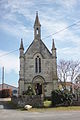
(47, 103)
(30, 91)
(61, 97)
(67, 98)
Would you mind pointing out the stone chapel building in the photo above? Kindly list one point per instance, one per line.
(38, 66)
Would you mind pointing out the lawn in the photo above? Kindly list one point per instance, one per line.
(47, 107)
(70, 108)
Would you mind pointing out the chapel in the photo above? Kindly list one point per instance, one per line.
(38, 66)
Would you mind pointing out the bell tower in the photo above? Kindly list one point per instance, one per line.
(37, 28)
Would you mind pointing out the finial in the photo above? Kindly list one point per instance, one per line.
(21, 39)
(36, 13)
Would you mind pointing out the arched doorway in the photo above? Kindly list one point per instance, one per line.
(38, 84)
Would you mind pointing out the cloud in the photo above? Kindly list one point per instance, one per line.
(52, 26)
(10, 62)
(17, 20)
(59, 15)
(69, 4)
(68, 53)
(67, 41)
(11, 22)
(17, 30)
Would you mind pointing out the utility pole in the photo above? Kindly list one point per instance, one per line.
(2, 78)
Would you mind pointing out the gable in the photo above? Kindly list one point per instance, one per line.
(38, 47)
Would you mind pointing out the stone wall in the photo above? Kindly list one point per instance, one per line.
(34, 101)
(27, 66)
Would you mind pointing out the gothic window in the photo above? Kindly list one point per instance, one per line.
(37, 64)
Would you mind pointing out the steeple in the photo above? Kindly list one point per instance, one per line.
(37, 23)
(21, 45)
(37, 28)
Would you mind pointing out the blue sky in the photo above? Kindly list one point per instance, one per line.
(17, 20)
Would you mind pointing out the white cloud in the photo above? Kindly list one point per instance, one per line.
(68, 40)
(18, 30)
(68, 3)
(68, 53)
(51, 18)
(10, 62)
(17, 19)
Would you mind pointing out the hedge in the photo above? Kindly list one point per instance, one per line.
(59, 97)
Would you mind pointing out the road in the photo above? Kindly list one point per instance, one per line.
(8, 114)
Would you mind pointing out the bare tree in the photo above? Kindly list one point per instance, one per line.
(63, 68)
(77, 80)
(74, 70)
(68, 71)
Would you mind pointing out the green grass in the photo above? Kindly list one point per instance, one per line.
(70, 108)
(47, 107)
(47, 103)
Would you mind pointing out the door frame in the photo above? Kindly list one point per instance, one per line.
(40, 80)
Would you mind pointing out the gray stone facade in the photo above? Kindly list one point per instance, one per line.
(38, 66)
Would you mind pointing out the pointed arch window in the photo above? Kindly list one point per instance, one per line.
(37, 64)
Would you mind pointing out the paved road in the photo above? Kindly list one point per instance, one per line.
(25, 115)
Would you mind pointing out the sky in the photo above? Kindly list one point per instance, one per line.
(16, 21)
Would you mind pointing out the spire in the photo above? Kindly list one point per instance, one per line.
(53, 49)
(37, 28)
(37, 23)
(53, 44)
(21, 45)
